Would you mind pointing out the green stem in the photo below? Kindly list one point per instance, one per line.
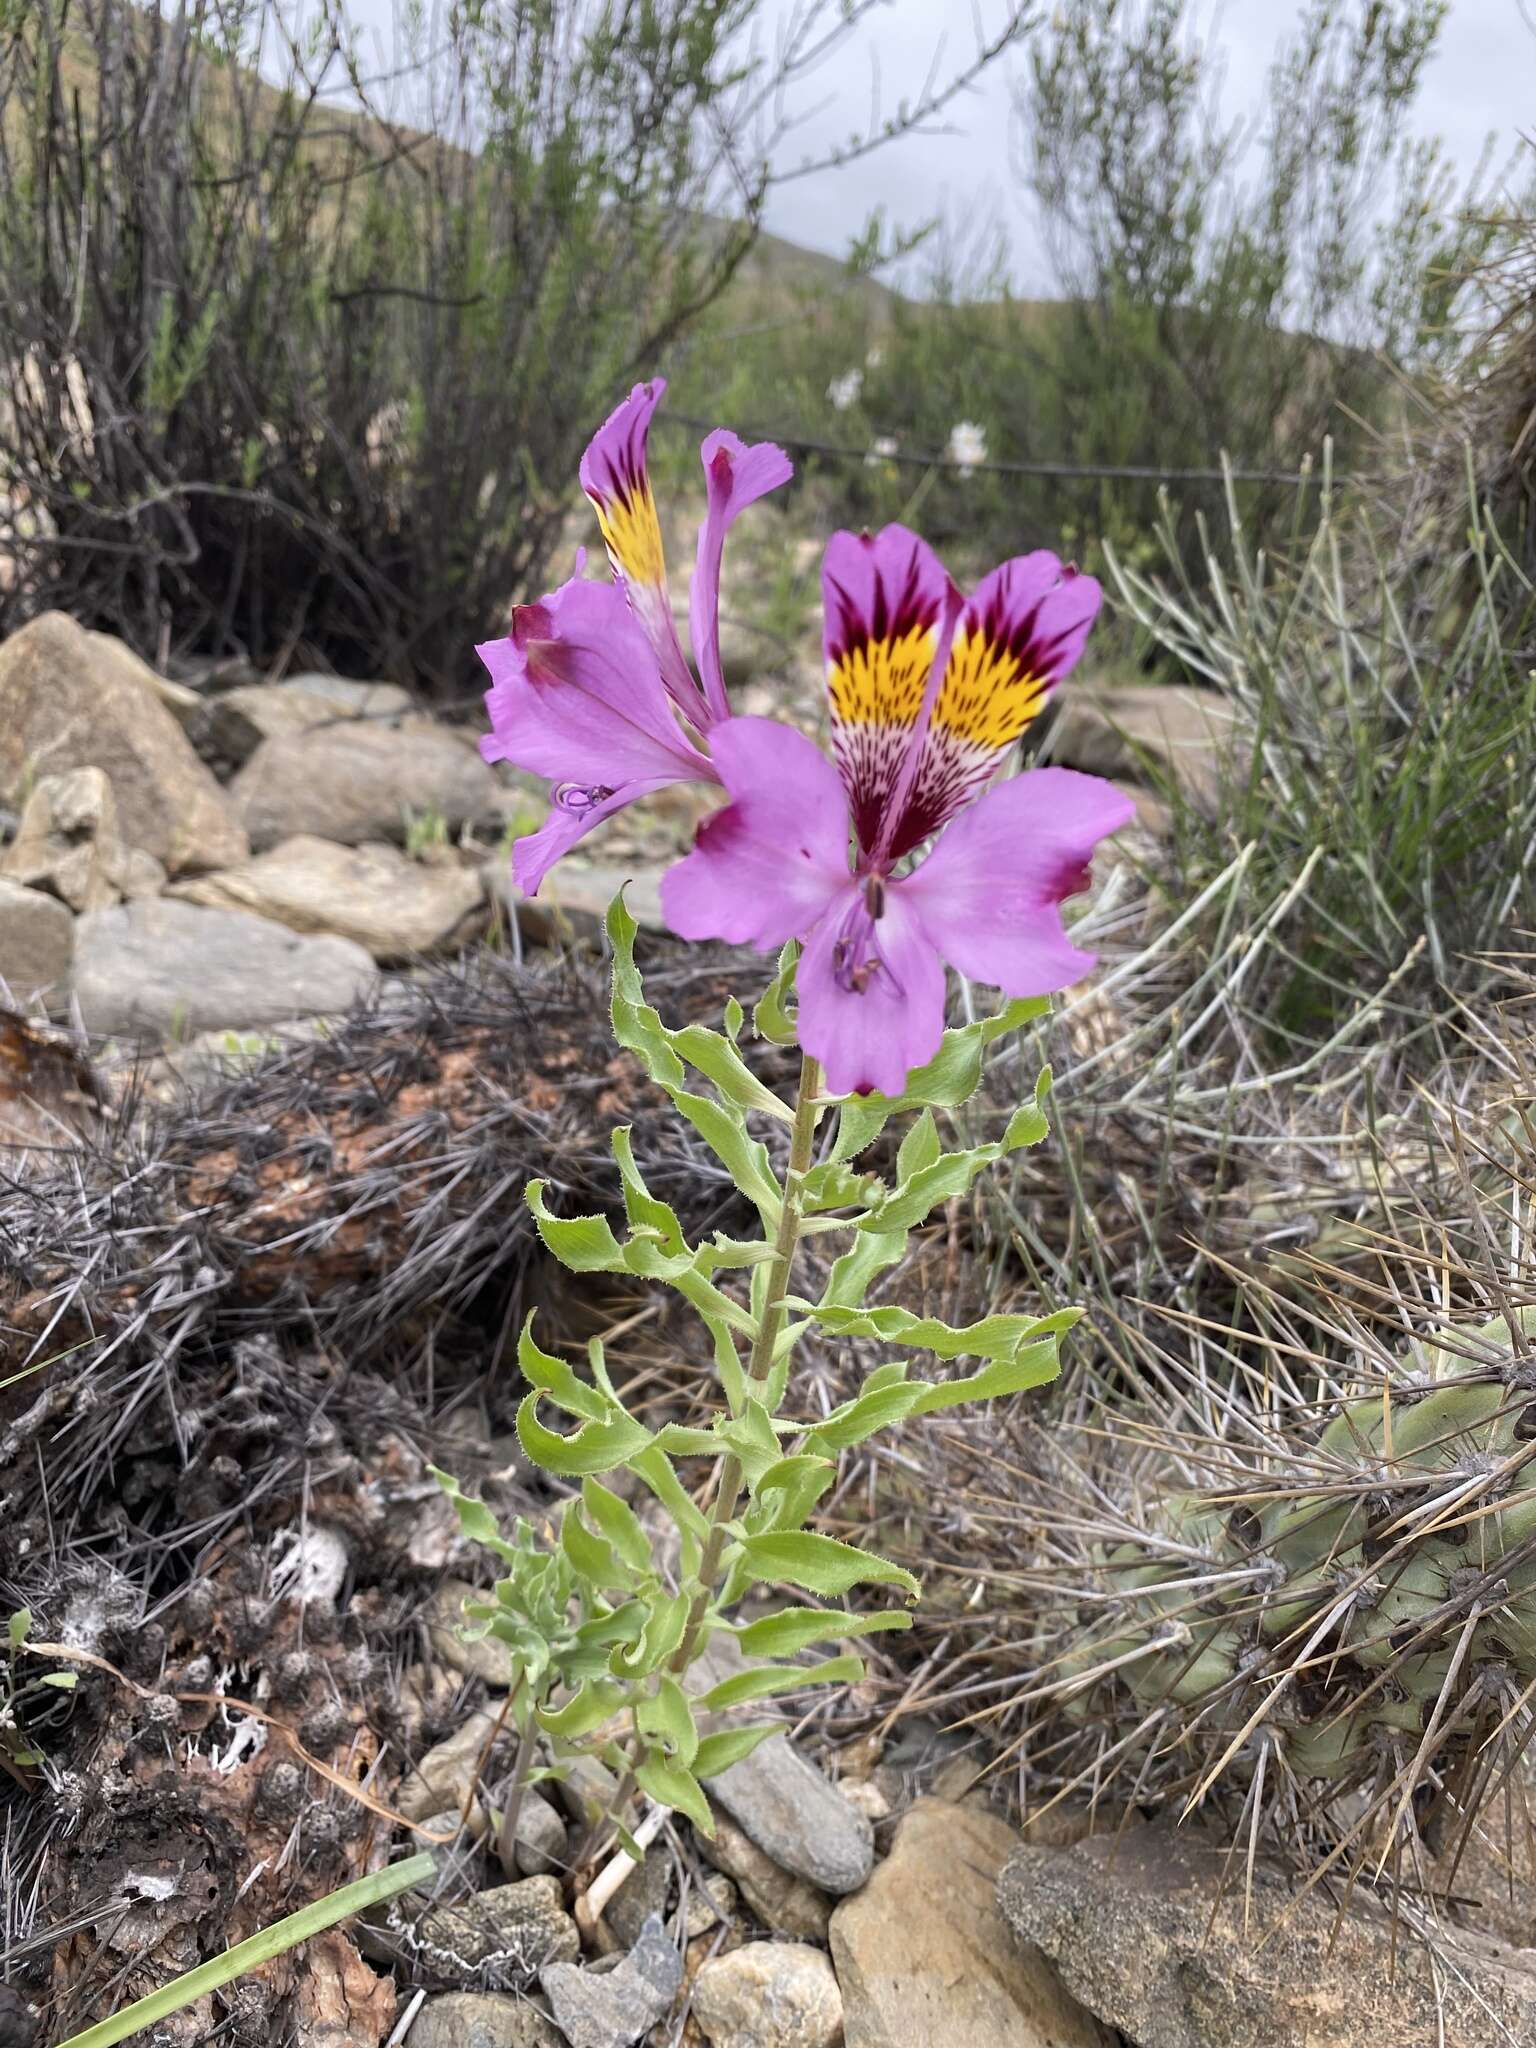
(760, 1362)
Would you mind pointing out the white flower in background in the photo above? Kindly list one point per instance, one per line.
(882, 449)
(967, 445)
(844, 391)
(875, 357)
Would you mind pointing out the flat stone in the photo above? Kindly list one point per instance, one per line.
(499, 1939)
(572, 903)
(797, 1817)
(642, 1896)
(587, 1790)
(610, 2008)
(926, 1959)
(37, 944)
(782, 1901)
(69, 843)
(373, 895)
(446, 1775)
(356, 781)
(484, 1657)
(163, 968)
(1117, 729)
(481, 2019)
(1140, 1931)
(772, 1994)
(74, 699)
(233, 725)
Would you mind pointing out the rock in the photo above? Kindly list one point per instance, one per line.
(573, 901)
(773, 1994)
(373, 895)
(485, 1659)
(641, 1897)
(587, 1790)
(500, 1939)
(178, 698)
(481, 2019)
(866, 1797)
(796, 1816)
(37, 944)
(73, 699)
(1116, 729)
(610, 2008)
(542, 1840)
(925, 1958)
(168, 968)
(710, 1901)
(780, 1900)
(354, 782)
(69, 843)
(1128, 1921)
(233, 725)
(447, 1774)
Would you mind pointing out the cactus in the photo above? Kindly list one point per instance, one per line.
(1354, 1614)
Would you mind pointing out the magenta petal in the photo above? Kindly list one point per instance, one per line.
(990, 893)
(576, 695)
(536, 853)
(764, 869)
(736, 476)
(870, 1039)
(613, 466)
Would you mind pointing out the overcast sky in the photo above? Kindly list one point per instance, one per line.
(1482, 78)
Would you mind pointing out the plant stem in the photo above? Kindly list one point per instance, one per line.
(760, 1362)
(506, 1834)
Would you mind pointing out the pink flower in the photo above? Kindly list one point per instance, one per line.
(927, 692)
(591, 687)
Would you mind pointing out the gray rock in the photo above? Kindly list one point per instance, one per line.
(1133, 1924)
(780, 1900)
(796, 1817)
(642, 1896)
(73, 699)
(373, 895)
(70, 844)
(1118, 729)
(573, 900)
(37, 944)
(772, 1994)
(925, 1958)
(481, 2019)
(233, 725)
(587, 1790)
(499, 1939)
(160, 968)
(484, 1657)
(355, 781)
(610, 2008)
(447, 1774)
(542, 1840)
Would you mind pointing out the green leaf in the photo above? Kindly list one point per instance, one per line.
(593, 1703)
(595, 1447)
(654, 1468)
(555, 1377)
(764, 1679)
(618, 1523)
(871, 1253)
(594, 1561)
(1032, 1365)
(834, 1186)
(666, 1717)
(992, 1337)
(869, 1412)
(728, 1746)
(919, 1148)
(475, 1518)
(19, 1627)
(586, 1244)
(943, 1175)
(669, 1784)
(62, 1681)
(790, 1488)
(794, 1629)
(772, 1018)
(821, 1564)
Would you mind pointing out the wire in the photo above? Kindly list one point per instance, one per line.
(1127, 470)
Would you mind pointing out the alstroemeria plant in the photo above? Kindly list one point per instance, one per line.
(870, 870)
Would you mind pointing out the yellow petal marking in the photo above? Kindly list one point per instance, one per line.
(881, 682)
(987, 695)
(632, 535)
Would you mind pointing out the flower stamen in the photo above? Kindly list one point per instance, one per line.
(857, 959)
(580, 797)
